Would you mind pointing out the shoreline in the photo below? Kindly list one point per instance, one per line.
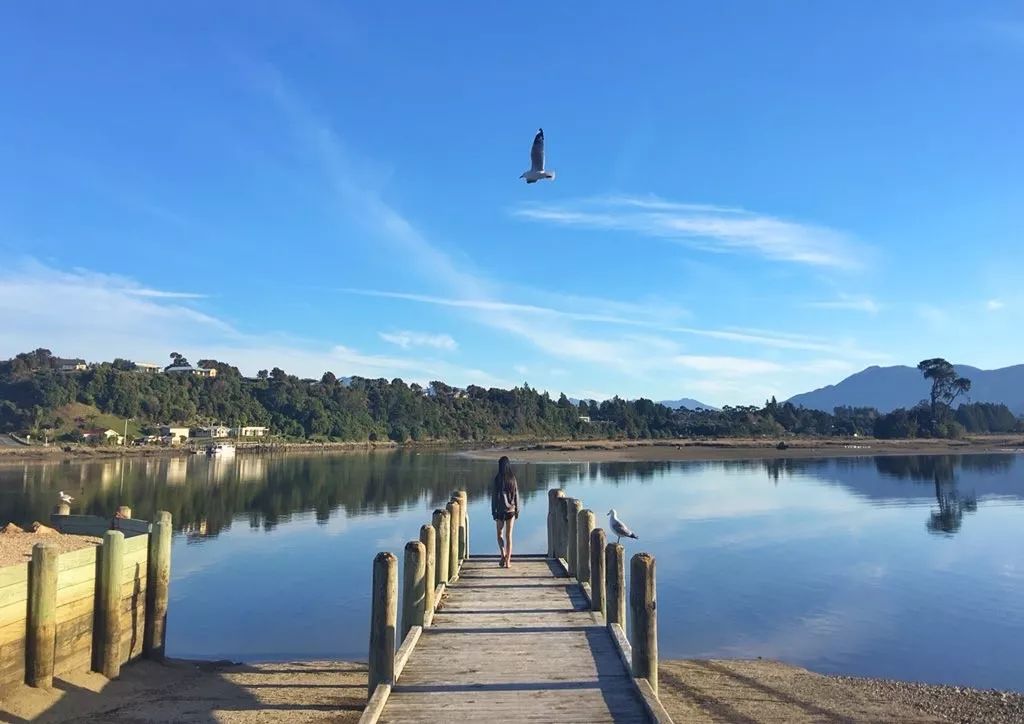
(752, 691)
(569, 451)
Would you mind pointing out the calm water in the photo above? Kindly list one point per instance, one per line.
(909, 567)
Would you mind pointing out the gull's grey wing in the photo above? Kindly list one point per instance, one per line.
(537, 152)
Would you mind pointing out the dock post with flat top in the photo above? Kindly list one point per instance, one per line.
(554, 495)
(42, 616)
(443, 529)
(584, 524)
(463, 498)
(383, 618)
(107, 641)
(158, 581)
(615, 584)
(454, 520)
(643, 623)
(428, 539)
(597, 577)
(562, 539)
(573, 509)
(414, 586)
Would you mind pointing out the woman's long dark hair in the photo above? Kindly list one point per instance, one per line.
(505, 474)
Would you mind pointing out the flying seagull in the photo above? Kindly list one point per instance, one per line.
(537, 172)
(619, 528)
(64, 497)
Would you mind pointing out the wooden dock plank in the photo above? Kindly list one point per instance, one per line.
(514, 644)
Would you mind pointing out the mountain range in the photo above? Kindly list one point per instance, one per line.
(887, 388)
(688, 403)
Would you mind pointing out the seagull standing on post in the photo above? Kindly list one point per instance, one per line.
(64, 497)
(537, 172)
(619, 528)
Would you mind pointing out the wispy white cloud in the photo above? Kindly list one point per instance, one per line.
(162, 294)
(728, 366)
(710, 228)
(994, 304)
(407, 339)
(98, 317)
(851, 303)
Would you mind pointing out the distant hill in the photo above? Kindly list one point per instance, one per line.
(688, 403)
(886, 388)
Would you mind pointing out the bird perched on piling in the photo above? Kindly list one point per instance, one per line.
(64, 497)
(619, 528)
(537, 172)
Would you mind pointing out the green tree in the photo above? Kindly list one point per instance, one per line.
(946, 385)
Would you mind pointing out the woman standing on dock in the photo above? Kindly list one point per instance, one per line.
(505, 508)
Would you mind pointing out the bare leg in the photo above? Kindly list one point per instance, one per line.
(508, 545)
(501, 541)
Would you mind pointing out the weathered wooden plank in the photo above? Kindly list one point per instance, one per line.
(14, 612)
(136, 543)
(375, 706)
(13, 631)
(14, 593)
(68, 594)
(73, 576)
(136, 560)
(16, 575)
(74, 559)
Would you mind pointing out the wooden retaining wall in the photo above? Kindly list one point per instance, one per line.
(77, 593)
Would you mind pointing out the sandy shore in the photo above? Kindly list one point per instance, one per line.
(742, 449)
(16, 544)
(744, 692)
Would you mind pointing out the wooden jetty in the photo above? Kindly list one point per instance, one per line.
(527, 643)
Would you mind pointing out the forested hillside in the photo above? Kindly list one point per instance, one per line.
(34, 390)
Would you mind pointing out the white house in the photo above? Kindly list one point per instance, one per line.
(176, 434)
(250, 431)
(71, 365)
(212, 431)
(190, 370)
(104, 435)
(147, 367)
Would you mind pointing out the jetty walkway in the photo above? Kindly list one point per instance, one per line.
(531, 643)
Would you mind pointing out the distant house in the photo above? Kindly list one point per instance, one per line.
(147, 367)
(71, 365)
(104, 435)
(174, 434)
(190, 370)
(585, 418)
(250, 431)
(212, 431)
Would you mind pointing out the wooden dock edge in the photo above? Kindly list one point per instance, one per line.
(652, 705)
(405, 650)
(375, 706)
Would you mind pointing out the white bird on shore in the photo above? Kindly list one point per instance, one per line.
(64, 497)
(537, 172)
(619, 528)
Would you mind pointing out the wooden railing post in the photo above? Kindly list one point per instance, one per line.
(62, 509)
(158, 581)
(414, 586)
(444, 530)
(383, 618)
(554, 495)
(584, 524)
(573, 508)
(463, 498)
(615, 584)
(123, 511)
(597, 589)
(107, 640)
(562, 537)
(643, 628)
(42, 616)
(427, 538)
(454, 520)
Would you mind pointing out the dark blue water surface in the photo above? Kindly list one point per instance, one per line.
(907, 567)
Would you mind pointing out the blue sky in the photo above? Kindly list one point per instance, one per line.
(751, 198)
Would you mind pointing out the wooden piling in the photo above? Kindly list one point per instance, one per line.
(443, 529)
(383, 618)
(615, 584)
(573, 508)
(597, 572)
(414, 586)
(62, 509)
(643, 610)
(428, 538)
(562, 537)
(42, 616)
(158, 581)
(584, 525)
(107, 640)
(463, 498)
(553, 514)
(454, 520)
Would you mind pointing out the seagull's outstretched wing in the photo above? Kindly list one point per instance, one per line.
(537, 152)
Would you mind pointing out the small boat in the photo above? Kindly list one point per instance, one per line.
(221, 448)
